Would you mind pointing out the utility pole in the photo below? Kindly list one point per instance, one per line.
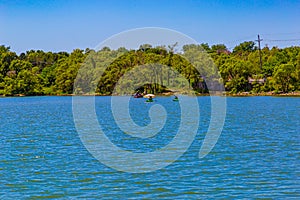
(259, 49)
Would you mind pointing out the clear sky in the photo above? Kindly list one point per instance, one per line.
(63, 25)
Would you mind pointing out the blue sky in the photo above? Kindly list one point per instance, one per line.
(63, 25)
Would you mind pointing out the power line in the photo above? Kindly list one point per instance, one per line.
(291, 33)
(266, 35)
(241, 39)
(284, 40)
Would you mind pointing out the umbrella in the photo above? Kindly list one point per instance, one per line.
(149, 95)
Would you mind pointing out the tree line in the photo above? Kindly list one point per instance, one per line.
(36, 72)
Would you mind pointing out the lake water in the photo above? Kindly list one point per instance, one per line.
(257, 155)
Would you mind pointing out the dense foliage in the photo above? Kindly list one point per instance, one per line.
(48, 73)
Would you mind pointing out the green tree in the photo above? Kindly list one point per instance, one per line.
(219, 48)
(283, 76)
(244, 48)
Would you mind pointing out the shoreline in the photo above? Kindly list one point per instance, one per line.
(248, 94)
(242, 94)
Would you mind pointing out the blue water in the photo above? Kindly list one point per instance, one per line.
(257, 155)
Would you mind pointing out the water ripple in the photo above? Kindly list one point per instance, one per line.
(257, 155)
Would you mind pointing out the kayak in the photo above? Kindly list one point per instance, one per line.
(149, 100)
(175, 99)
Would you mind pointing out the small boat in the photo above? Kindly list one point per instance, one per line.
(149, 100)
(149, 96)
(138, 95)
(176, 99)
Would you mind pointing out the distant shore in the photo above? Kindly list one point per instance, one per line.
(241, 94)
(245, 94)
